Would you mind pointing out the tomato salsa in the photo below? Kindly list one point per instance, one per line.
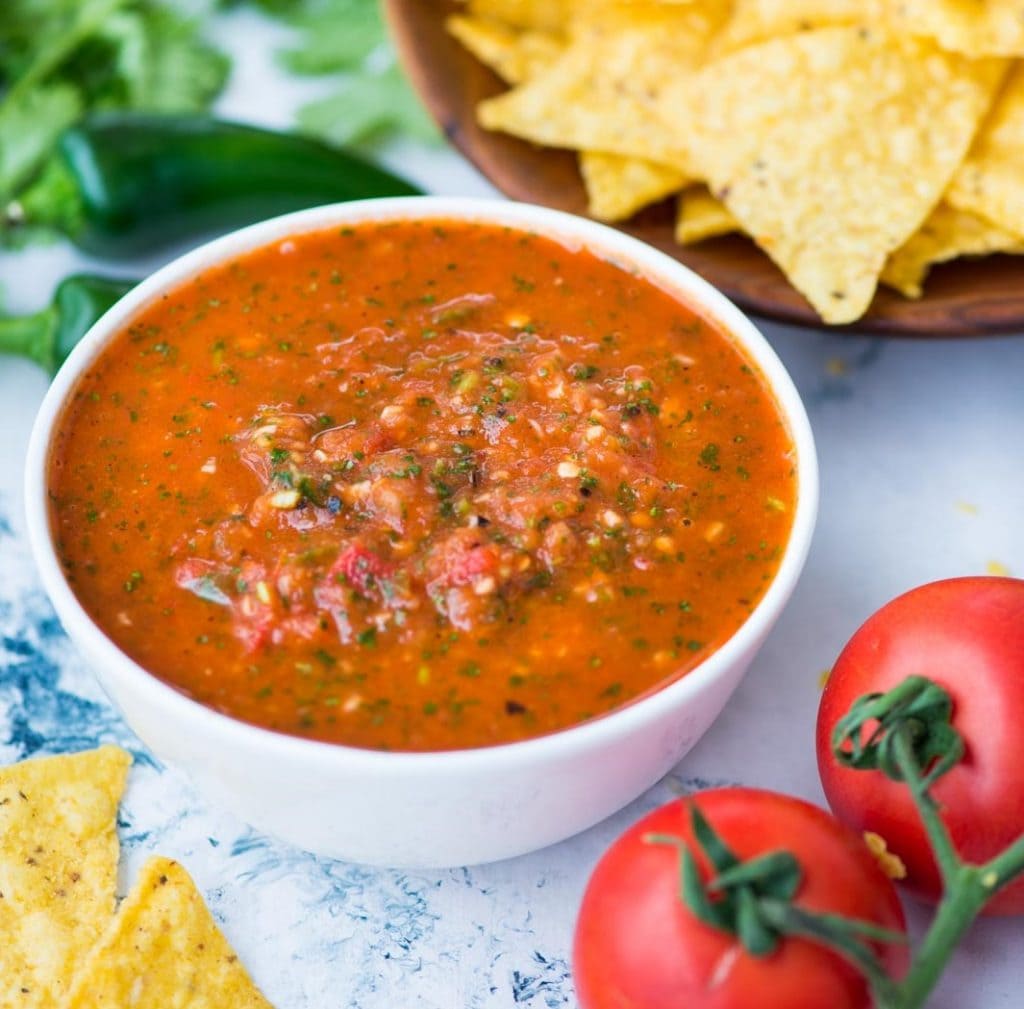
(420, 485)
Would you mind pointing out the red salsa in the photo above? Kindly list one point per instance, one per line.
(420, 485)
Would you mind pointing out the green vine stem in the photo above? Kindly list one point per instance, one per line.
(942, 844)
(835, 931)
(967, 888)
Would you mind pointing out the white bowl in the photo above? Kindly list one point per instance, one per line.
(426, 809)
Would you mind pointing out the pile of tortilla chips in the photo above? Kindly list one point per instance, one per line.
(62, 944)
(855, 141)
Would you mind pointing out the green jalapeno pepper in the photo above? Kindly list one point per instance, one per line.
(127, 182)
(48, 336)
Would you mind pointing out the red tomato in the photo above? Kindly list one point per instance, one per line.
(638, 946)
(966, 634)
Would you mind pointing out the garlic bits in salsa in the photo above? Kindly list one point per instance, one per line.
(420, 485)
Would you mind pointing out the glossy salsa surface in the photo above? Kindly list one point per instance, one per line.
(420, 485)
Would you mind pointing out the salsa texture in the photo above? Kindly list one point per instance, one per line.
(420, 485)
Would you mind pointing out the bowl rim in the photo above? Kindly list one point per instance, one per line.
(572, 231)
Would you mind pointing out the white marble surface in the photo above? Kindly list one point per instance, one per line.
(921, 447)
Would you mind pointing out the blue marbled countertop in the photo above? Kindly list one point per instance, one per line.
(922, 454)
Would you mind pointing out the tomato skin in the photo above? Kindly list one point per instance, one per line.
(637, 946)
(966, 634)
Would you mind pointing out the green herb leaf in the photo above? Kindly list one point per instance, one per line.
(159, 62)
(29, 127)
(62, 58)
(368, 108)
(336, 35)
(349, 37)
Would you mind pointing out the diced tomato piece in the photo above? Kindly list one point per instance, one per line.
(254, 630)
(253, 621)
(377, 440)
(466, 567)
(361, 568)
(463, 558)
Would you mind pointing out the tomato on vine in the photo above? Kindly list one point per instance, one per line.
(966, 635)
(719, 902)
(738, 898)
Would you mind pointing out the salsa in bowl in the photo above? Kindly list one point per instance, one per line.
(401, 479)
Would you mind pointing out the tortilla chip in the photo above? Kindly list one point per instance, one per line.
(947, 234)
(617, 186)
(602, 94)
(701, 215)
(514, 56)
(163, 950)
(990, 183)
(58, 868)
(971, 27)
(545, 15)
(831, 147)
(760, 20)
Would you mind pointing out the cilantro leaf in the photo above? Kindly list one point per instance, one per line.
(368, 108)
(159, 63)
(62, 58)
(349, 38)
(29, 126)
(39, 35)
(335, 35)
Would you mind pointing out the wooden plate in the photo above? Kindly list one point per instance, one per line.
(965, 298)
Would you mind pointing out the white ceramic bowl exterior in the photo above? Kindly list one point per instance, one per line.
(426, 809)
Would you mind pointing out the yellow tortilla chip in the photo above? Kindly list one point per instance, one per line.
(617, 186)
(831, 147)
(947, 234)
(701, 215)
(602, 94)
(513, 55)
(163, 950)
(58, 868)
(990, 182)
(546, 15)
(759, 20)
(971, 27)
